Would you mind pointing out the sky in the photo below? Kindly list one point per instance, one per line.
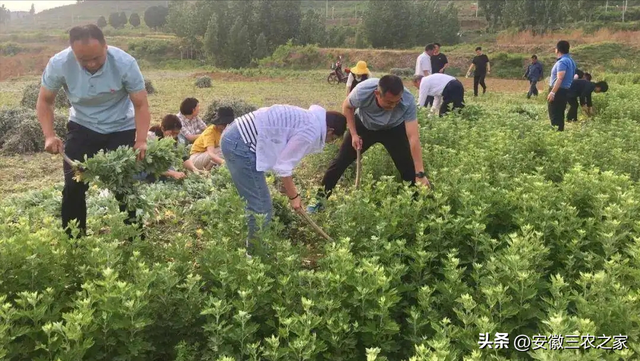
(25, 5)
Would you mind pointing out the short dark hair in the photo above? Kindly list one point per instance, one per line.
(534, 56)
(86, 32)
(429, 47)
(188, 106)
(391, 84)
(478, 48)
(337, 121)
(436, 44)
(603, 86)
(563, 46)
(418, 78)
(171, 122)
(587, 76)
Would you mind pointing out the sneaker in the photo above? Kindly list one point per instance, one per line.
(318, 207)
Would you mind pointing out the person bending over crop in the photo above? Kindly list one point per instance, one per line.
(582, 88)
(379, 111)
(170, 128)
(442, 86)
(205, 152)
(436, 101)
(109, 109)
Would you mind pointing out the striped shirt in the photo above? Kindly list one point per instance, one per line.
(248, 130)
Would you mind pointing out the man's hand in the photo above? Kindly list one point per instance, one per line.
(176, 175)
(551, 97)
(296, 203)
(356, 142)
(53, 145)
(441, 70)
(423, 181)
(141, 147)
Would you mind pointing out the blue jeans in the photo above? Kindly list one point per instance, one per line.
(251, 184)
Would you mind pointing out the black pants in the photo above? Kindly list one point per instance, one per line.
(429, 102)
(82, 141)
(453, 93)
(533, 88)
(479, 80)
(557, 108)
(395, 142)
(572, 114)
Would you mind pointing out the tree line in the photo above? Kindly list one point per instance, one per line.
(155, 17)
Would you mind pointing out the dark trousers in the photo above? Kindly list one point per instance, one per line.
(533, 88)
(453, 93)
(82, 141)
(479, 80)
(572, 114)
(429, 102)
(395, 142)
(557, 108)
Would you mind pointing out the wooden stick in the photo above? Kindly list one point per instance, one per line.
(313, 224)
(358, 167)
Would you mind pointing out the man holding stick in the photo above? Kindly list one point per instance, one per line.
(109, 109)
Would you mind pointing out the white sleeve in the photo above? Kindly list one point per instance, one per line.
(349, 80)
(426, 65)
(437, 103)
(422, 95)
(418, 67)
(296, 148)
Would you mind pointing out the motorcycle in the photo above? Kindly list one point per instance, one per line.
(337, 76)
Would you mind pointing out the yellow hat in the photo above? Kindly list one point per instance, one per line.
(360, 68)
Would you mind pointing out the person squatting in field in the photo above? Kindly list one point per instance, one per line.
(378, 111)
(192, 125)
(561, 78)
(582, 89)
(205, 152)
(446, 89)
(274, 138)
(109, 109)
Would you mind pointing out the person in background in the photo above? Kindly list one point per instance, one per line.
(109, 109)
(358, 74)
(442, 86)
(534, 74)
(561, 79)
(439, 61)
(378, 111)
(170, 128)
(482, 68)
(275, 139)
(437, 100)
(192, 125)
(423, 62)
(583, 89)
(205, 152)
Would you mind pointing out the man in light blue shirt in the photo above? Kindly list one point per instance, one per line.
(109, 109)
(561, 78)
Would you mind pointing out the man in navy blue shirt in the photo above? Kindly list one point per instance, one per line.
(534, 74)
(582, 88)
(561, 78)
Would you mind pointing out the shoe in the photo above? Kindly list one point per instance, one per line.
(318, 207)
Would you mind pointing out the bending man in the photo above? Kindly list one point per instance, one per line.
(379, 111)
(442, 86)
(109, 110)
(582, 88)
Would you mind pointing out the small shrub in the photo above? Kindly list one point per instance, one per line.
(148, 85)
(239, 106)
(10, 48)
(402, 72)
(203, 82)
(30, 97)
(25, 136)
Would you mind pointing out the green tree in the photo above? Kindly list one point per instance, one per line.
(312, 29)
(424, 20)
(384, 23)
(134, 20)
(5, 14)
(493, 12)
(238, 47)
(279, 20)
(32, 11)
(102, 22)
(155, 17)
(447, 25)
(262, 50)
(212, 46)
(115, 20)
(123, 19)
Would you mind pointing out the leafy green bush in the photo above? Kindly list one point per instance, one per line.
(148, 85)
(20, 131)
(294, 57)
(10, 48)
(239, 106)
(203, 82)
(30, 97)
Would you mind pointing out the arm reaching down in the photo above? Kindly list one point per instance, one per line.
(413, 134)
(143, 119)
(44, 110)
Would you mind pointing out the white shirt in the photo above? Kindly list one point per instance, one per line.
(423, 63)
(351, 78)
(433, 85)
(285, 134)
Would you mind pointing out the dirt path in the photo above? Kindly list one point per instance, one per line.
(500, 85)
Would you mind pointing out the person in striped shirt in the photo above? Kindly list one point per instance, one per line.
(274, 138)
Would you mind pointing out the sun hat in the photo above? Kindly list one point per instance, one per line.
(224, 116)
(360, 68)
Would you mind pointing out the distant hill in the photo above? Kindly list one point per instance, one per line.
(64, 17)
